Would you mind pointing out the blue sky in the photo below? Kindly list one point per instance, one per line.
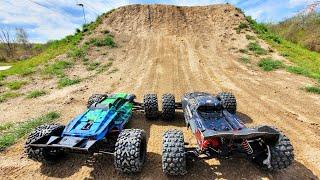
(53, 19)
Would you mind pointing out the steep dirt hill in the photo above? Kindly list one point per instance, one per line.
(179, 49)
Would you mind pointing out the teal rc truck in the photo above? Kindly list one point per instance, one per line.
(100, 129)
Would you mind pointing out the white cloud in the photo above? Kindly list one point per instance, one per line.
(51, 19)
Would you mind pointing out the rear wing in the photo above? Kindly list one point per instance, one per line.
(264, 132)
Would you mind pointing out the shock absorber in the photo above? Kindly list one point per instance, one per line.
(246, 146)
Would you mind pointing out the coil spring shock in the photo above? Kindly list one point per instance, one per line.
(246, 146)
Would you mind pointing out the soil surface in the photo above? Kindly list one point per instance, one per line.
(178, 49)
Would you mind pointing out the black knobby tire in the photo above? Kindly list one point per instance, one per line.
(168, 107)
(173, 153)
(281, 154)
(96, 98)
(228, 101)
(150, 103)
(43, 154)
(130, 151)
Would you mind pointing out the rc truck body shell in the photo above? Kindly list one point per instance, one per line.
(221, 134)
(110, 114)
(206, 117)
(100, 119)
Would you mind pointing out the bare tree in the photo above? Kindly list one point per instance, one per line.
(7, 40)
(22, 38)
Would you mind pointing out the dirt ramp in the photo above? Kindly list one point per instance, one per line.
(174, 20)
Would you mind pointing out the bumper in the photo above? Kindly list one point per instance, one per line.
(67, 143)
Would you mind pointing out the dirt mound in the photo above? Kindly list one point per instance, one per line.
(179, 49)
(173, 20)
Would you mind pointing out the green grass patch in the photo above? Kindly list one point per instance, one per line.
(241, 26)
(57, 68)
(78, 52)
(52, 50)
(15, 85)
(105, 66)
(256, 48)
(13, 133)
(313, 89)
(92, 66)
(8, 95)
(268, 64)
(2, 77)
(35, 94)
(65, 81)
(306, 62)
(106, 41)
(5, 126)
(244, 59)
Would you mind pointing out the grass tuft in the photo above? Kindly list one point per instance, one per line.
(65, 81)
(92, 66)
(241, 26)
(5, 126)
(8, 95)
(106, 41)
(105, 66)
(57, 68)
(15, 85)
(244, 59)
(268, 64)
(313, 89)
(14, 132)
(256, 48)
(35, 94)
(249, 37)
(78, 52)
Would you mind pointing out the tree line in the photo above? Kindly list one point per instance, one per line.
(14, 44)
